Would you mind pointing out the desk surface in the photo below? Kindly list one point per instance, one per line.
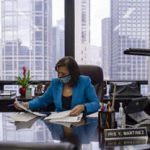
(5, 104)
(86, 134)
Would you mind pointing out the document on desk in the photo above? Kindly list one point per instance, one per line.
(63, 117)
(55, 115)
(22, 117)
(29, 111)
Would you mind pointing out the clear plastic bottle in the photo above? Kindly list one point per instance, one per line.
(121, 118)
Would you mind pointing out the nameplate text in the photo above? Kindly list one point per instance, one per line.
(126, 133)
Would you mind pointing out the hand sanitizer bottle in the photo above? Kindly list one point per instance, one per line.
(121, 119)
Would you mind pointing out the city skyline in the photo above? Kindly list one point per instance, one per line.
(120, 31)
(26, 38)
(129, 29)
(99, 11)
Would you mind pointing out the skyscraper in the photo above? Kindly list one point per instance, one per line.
(26, 33)
(57, 45)
(82, 30)
(129, 29)
(106, 47)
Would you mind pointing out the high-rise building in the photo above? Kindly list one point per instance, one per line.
(57, 51)
(26, 37)
(106, 47)
(82, 30)
(129, 29)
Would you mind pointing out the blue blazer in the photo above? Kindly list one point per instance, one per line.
(83, 93)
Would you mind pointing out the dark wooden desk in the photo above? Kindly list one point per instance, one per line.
(6, 104)
(86, 134)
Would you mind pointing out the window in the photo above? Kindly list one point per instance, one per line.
(28, 33)
(103, 30)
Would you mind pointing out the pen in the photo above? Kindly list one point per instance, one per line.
(109, 106)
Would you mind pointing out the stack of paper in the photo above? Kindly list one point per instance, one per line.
(7, 94)
(63, 117)
(25, 116)
(28, 110)
(56, 117)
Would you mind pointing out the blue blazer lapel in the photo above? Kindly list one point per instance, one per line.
(59, 95)
(74, 96)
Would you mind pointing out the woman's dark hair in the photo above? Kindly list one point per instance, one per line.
(70, 63)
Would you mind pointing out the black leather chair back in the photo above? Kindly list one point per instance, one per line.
(96, 75)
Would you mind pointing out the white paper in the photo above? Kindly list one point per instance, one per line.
(68, 119)
(7, 93)
(28, 110)
(22, 116)
(56, 115)
(93, 115)
(139, 116)
(63, 117)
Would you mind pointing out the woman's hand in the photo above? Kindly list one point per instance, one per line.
(77, 110)
(25, 104)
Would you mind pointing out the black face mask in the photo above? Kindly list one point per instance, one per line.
(65, 79)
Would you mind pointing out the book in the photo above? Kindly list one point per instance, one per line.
(7, 94)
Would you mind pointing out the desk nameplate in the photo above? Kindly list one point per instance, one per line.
(126, 133)
(123, 142)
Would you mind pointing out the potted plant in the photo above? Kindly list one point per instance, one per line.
(23, 81)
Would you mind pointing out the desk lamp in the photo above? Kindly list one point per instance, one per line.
(142, 52)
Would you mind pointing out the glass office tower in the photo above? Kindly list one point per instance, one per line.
(129, 29)
(106, 47)
(26, 38)
(82, 30)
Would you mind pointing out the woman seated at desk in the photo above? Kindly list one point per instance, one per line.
(69, 91)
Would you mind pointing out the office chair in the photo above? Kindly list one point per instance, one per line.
(96, 75)
(36, 146)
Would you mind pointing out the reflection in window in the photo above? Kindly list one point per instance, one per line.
(120, 25)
